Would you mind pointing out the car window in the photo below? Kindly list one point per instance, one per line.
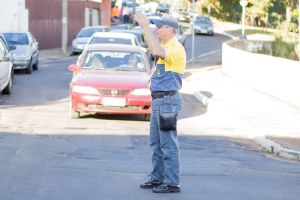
(114, 60)
(96, 40)
(203, 20)
(16, 38)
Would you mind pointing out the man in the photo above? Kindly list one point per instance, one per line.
(165, 83)
(115, 13)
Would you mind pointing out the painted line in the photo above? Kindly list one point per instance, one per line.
(205, 54)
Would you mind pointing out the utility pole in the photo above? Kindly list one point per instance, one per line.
(243, 3)
(64, 21)
(193, 32)
(133, 11)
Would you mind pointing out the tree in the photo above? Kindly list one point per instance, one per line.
(258, 11)
(290, 6)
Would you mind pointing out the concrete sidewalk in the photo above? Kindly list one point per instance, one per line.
(236, 110)
(52, 54)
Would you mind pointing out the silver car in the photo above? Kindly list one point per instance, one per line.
(6, 69)
(26, 54)
(84, 35)
(203, 25)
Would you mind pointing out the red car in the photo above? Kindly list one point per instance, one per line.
(110, 79)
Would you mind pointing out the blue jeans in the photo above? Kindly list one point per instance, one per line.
(164, 144)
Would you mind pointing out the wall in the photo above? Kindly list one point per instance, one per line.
(45, 19)
(14, 15)
(277, 77)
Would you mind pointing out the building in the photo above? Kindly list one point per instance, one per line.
(44, 18)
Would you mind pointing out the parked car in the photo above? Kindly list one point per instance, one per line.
(26, 54)
(183, 15)
(106, 81)
(122, 27)
(203, 25)
(163, 8)
(114, 38)
(6, 68)
(84, 35)
(139, 35)
(180, 35)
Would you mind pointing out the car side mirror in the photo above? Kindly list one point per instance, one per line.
(145, 45)
(73, 68)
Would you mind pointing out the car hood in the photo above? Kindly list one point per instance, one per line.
(82, 39)
(112, 79)
(21, 50)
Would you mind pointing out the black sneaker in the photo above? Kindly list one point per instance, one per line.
(150, 184)
(163, 188)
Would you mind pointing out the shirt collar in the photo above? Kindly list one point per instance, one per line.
(172, 41)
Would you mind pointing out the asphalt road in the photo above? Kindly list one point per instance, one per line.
(46, 155)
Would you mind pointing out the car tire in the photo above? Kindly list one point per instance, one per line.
(8, 88)
(72, 113)
(36, 65)
(28, 70)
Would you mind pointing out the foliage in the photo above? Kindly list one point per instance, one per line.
(258, 11)
(284, 49)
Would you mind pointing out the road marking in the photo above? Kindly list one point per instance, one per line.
(205, 54)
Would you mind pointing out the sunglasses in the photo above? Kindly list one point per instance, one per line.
(162, 26)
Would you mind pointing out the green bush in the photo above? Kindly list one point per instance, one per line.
(284, 49)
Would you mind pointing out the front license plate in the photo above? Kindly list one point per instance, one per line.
(111, 101)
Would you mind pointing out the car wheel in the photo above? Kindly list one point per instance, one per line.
(8, 88)
(28, 70)
(147, 117)
(72, 113)
(36, 65)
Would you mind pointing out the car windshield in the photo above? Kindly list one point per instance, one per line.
(114, 60)
(88, 32)
(97, 40)
(163, 5)
(138, 35)
(16, 38)
(203, 20)
(121, 27)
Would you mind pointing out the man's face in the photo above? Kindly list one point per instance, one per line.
(163, 31)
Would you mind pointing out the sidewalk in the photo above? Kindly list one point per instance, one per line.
(51, 54)
(239, 111)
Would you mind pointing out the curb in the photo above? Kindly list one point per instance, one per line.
(201, 98)
(262, 141)
(277, 149)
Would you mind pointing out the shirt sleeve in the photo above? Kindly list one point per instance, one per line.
(175, 59)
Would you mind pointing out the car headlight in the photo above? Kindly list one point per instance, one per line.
(74, 43)
(20, 57)
(142, 92)
(85, 90)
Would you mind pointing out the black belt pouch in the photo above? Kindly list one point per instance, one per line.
(167, 117)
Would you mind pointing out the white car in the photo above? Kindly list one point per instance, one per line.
(114, 38)
(6, 68)
(84, 35)
(26, 54)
